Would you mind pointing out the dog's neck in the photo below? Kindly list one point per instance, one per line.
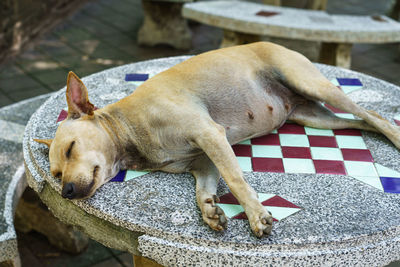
(124, 135)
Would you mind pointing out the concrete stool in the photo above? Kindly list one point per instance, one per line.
(333, 194)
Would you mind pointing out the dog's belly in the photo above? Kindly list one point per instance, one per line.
(249, 108)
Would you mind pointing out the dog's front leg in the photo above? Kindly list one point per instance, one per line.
(212, 140)
(207, 177)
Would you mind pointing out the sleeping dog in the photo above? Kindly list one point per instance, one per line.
(186, 118)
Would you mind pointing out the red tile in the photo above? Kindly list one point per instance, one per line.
(296, 152)
(267, 165)
(322, 141)
(334, 110)
(291, 128)
(266, 13)
(270, 139)
(397, 122)
(243, 216)
(357, 154)
(228, 199)
(329, 166)
(63, 115)
(352, 132)
(277, 201)
(242, 150)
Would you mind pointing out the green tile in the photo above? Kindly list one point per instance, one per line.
(263, 196)
(345, 115)
(359, 168)
(297, 140)
(245, 164)
(261, 151)
(245, 142)
(281, 213)
(335, 82)
(326, 153)
(130, 174)
(320, 132)
(373, 181)
(356, 142)
(231, 210)
(298, 165)
(386, 172)
(348, 89)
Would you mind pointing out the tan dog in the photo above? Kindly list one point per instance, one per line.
(186, 118)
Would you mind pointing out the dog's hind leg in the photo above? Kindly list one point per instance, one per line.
(207, 177)
(301, 76)
(313, 114)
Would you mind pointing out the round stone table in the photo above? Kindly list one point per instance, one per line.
(334, 204)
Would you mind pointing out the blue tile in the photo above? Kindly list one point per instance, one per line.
(391, 185)
(348, 81)
(119, 177)
(136, 77)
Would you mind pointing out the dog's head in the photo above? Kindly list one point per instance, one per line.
(82, 154)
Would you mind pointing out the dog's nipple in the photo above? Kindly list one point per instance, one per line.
(250, 114)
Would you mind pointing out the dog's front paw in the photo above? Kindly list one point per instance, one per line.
(261, 222)
(213, 215)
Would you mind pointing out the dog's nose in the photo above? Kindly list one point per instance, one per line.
(69, 191)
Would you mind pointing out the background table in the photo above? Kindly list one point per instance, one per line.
(342, 220)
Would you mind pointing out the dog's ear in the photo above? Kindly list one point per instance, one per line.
(77, 98)
(47, 142)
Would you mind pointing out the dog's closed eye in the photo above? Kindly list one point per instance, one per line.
(68, 153)
(58, 175)
(95, 170)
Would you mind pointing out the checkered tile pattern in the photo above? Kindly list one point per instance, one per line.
(297, 149)
(279, 207)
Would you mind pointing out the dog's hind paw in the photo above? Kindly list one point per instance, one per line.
(214, 216)
(261, 223)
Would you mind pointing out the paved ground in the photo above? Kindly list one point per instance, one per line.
(102, 35)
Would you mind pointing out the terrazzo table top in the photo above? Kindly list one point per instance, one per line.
(259, 19)
(325, 214)
(13, 119)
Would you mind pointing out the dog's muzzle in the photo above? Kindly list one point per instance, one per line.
(69, 191)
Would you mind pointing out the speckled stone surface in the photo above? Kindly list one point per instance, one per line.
(293, 23)
(12, 181)
(343, 221)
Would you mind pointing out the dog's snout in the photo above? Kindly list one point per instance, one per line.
(69, 191)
